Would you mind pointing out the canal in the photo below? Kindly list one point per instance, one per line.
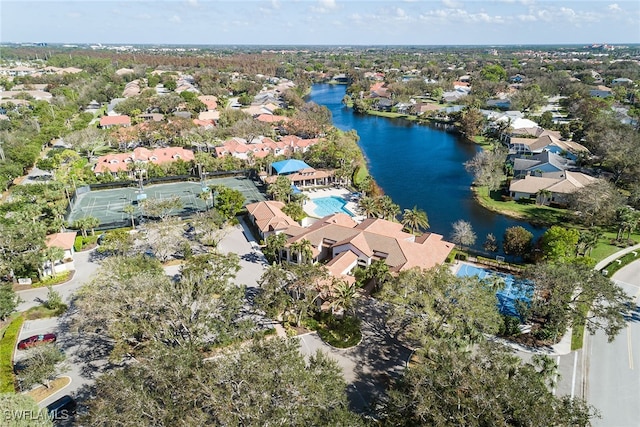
(419, 165)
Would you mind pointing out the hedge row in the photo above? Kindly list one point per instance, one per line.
(7, 345)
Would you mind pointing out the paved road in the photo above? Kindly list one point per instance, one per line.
(614, 368)
(86, 264)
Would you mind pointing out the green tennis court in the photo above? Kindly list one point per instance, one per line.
(108, 205)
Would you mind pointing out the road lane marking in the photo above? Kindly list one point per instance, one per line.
(630, 348)
(573, 377)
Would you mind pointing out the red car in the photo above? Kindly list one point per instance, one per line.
(35, 340)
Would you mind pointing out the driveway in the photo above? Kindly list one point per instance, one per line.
(86, 264)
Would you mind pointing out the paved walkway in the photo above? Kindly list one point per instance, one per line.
(608, 260)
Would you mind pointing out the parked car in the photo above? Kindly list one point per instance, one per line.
(62, 409)
(35, 340)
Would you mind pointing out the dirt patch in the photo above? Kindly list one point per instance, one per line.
(41, 392)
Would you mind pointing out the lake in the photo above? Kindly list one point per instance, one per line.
(419, 165)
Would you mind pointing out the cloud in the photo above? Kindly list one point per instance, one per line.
(400, 13)
(328, 4)
(451, 4)
(614, 7)
(527, 18)
(193, 3)
(175, 19)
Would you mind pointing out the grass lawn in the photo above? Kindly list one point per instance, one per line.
(483, 142)
(536, 214)
(7, 344)
(42, 312)
(605, 248)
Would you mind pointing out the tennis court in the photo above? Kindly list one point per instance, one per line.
(108, 205)
(245, 185)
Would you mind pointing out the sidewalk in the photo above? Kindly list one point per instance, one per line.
(608, 260)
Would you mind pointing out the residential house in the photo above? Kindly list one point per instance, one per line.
(601, 92)
(107, 122)
(269, 219)
(559, 188)
(621, 81)
(262, 146)
(371, 240)
(546, 164)
(546, 140)
(65, 242)
(114, 163)
(210, 101)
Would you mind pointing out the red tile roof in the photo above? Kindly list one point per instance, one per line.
(61, 240)
(119, 161)
(115, 121)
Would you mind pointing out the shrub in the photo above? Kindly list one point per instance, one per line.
(77, 244)
(7, 344)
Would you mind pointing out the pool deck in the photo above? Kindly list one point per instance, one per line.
(310, 207)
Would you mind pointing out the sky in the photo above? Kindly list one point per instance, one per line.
(321, 22)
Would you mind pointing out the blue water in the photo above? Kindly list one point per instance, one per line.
(419, 165)
(514, 290)
(330, 205)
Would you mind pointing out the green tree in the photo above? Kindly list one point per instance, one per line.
(529, 98)
(9, 300)
(517, 241)
(130, 210)
(12, 403)
(281, 190)
(448, 384)
(262, 383)
(415, 219)
(434, 303)
(471, 122)
(42, 365)
(162, 208)
(274, 243)
(229, 202)
(559, 244)
(563, 290)
(343, 296)
(134, 304)
(117, 242)
(494, 73)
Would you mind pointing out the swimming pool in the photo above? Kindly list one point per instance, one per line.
(330, 205)
(514, 290)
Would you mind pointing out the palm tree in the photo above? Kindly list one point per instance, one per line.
(130, 210)
(369, 206)
(303, 250)
(91, 222)
(52, 254)
(343, 296)
(81, 225)
(415, 219)
(588, 240)
(543, 197)
(388, 209)
(205, 196)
